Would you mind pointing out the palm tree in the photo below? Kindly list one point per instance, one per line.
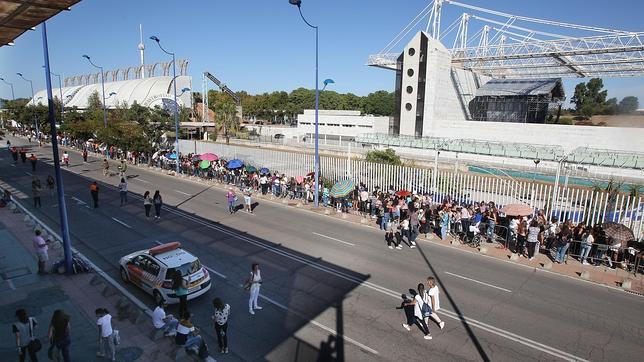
(226, 119)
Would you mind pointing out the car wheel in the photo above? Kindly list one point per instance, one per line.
(124, 276)
(158, 298)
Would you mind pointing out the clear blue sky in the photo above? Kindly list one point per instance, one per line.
(262, 45)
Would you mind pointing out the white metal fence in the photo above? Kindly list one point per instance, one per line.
(572, 202)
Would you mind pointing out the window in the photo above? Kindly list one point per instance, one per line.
(410, 89)
(408, 106)
(411, 52)
(410, 72)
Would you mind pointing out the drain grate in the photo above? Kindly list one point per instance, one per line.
(15, 273)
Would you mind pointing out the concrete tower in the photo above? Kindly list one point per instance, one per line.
(142, 51)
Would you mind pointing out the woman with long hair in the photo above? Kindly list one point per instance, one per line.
(253, 284)
(59, 334)
(147, 203)
(180, 287)
(158, 203)
(433, 296)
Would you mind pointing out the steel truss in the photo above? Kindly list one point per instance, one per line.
(515, 52)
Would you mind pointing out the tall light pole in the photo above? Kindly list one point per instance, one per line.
(33, 103)
(13, 97)
(534, 177)
(298, 3)
(176, 105)
(62, 208)
(60, 86)
(102, 85)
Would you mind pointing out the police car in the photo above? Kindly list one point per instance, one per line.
(152, 271)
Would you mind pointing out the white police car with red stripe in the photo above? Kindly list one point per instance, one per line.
(152, 271)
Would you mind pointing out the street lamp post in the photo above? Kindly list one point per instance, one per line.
(298, 3)
(534, 177)
(176, 105)
(33, 103)
(102, 85)
(13, 97)
(60, 86)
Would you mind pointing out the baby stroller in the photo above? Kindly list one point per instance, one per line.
(473, 235)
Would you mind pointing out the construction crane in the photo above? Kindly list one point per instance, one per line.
(224, 88)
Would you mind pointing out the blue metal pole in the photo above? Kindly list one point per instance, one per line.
(176, 112)
(317, 154)
(104, 105)
(62, 208)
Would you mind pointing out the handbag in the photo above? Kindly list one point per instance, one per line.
(117, 337)
(34, 345)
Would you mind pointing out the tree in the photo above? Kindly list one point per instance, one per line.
(610, 107)
(387, 156)
(380, 103)
(628, 105)
(226, 119)
(589, 98)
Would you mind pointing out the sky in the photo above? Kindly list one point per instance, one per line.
(263, 45)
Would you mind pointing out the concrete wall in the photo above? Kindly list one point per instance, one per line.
(341, 123)
(410, 71)
(569, 137)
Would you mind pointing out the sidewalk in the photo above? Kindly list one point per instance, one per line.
(78, 295)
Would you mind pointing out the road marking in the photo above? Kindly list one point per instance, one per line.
(181, 192)
(142, 180)
(122, 223)
(29, 173)
(79, 201)
(208, 268)
(320, 325)
(338, 240)
(479, 282)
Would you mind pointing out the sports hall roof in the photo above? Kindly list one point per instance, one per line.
(18, 16)
(522, 87)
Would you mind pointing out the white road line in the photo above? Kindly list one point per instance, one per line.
(78, 200)
(142, 180)
(479, 282)
(122, 223)
(338, 240)
(181, 192)
(321, 326)
(29, 173)
(208, 268)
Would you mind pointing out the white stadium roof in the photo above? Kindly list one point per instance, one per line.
(147, 92)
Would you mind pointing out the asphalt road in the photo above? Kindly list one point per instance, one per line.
(325, 277)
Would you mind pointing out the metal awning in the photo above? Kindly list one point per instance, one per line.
(18, 16)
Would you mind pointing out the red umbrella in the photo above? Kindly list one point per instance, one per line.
(310, 174)
(403, 193)
(299, 179)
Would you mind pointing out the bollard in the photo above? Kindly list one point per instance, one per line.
(454, 242)
(626, 284)
(585, 275)
(547, 265)
(483, 249)
(514, 257)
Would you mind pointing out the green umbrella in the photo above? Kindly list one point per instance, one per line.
(204, 164)
(251, 169)
(342, 188)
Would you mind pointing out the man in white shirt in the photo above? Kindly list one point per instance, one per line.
(40, 245)
(164, 322)
(106, 346)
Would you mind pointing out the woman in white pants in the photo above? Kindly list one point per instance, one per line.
(254, 282)
(433, 299)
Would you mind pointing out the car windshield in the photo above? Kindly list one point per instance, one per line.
(186, 269)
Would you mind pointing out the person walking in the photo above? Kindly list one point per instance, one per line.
(253, 284)
(147, 203)
(33, 159)
(66, 158)
(24, 328)
(93, 190)
(50, 185)
(123, 191)
(85, 154)
(59, 335)
(106, 347)
(122, 168)
(165, 322)
(180, 287)
(416, 317)
(433, 299)
(247, 199)
(222, 311)
(158, 203)
(42, 251)
(35, 191)
(106, 167)
(230, 197)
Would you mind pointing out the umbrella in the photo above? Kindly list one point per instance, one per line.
(403, 193)
(172, 156)
(619, 232)
(310, 174)
(209, 157)
(516, 210)
(342, 188)
(204, 164)
(251, 169)
(264, 170)
(299, 179)
(196, 158)
(234, 164)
